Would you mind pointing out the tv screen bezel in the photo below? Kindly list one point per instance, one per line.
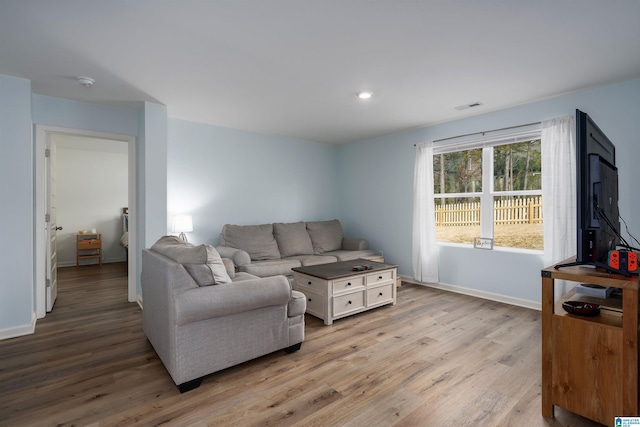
(590, 140)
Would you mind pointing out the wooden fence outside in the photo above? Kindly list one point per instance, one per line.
(525, 210)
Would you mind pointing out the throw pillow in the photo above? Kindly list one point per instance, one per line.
(202, 262)
(256, 240)
(208, 274)
(292, 239)
(326, 236)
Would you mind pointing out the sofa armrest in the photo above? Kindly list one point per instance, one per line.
(208, 302)
(297, 304)
(354, 244)
(238, 256)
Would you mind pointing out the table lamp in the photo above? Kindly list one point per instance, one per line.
(182, 224)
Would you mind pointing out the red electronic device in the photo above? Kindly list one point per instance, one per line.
(623, 260)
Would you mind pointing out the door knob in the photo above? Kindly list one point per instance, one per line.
(58, 228)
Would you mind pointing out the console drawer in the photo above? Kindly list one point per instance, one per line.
(379, 277)
(348, 284)
(346, 303)
(380, 295)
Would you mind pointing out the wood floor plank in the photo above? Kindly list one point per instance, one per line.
(435, 358)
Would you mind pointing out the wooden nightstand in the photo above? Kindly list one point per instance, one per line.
(88, 245)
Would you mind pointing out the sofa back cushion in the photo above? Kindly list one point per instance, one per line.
(325, 236)
(256, 240)
(202, 262)
(292, 239)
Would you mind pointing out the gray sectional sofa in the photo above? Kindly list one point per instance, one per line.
(273, 249)
(201, 316)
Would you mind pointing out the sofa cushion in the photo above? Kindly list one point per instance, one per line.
(256, 240)
(350, 255)
(180, 251)
(241, 276)
(208, 274)
(306, 260)
(202, 262)
(228, 265)
(292, 239)
(271, 267)
(325, 235)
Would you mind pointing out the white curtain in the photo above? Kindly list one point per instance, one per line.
(425, 249)
(558, 146)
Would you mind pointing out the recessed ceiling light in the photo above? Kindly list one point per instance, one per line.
(364, 95)
(86, 81)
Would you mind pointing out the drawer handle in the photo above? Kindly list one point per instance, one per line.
(379, 277)
(309, 299)
(349, 302)
(349, 284)
(309, 283)
(380, 294)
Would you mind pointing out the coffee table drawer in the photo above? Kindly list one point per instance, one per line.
(308, 282)
(346, 303)
(380, 295)
(315, 304)
(379, 277)
(348, 284)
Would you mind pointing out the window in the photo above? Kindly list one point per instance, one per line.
(490, 188)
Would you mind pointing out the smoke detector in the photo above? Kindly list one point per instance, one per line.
(86, 81)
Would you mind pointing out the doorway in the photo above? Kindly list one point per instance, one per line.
(45, 136)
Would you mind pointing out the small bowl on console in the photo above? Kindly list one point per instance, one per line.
(581, 308)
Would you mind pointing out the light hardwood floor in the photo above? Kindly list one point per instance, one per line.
(434, 359)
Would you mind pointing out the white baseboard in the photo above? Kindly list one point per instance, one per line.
(19, 331)
(478, 294)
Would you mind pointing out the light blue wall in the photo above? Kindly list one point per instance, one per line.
(16, 209)
(151, 176)
(221, 175)
(19, 109)
(377, 187)
(65, 113)
(152, 169)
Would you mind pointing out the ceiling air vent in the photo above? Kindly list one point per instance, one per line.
(464, 107)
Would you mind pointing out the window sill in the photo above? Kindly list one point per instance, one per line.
(495, 248)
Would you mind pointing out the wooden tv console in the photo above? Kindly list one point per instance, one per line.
(590, 364)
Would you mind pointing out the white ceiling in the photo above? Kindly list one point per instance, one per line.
(292, 67)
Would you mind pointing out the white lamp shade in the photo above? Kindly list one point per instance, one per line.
(181, 224)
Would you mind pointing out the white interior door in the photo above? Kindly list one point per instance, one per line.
(51, 224)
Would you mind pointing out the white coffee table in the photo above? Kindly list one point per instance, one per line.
(334, 290)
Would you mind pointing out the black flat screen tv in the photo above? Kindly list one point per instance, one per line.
(598, 220)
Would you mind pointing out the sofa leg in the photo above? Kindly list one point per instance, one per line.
(190, 385)
(293, 348)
